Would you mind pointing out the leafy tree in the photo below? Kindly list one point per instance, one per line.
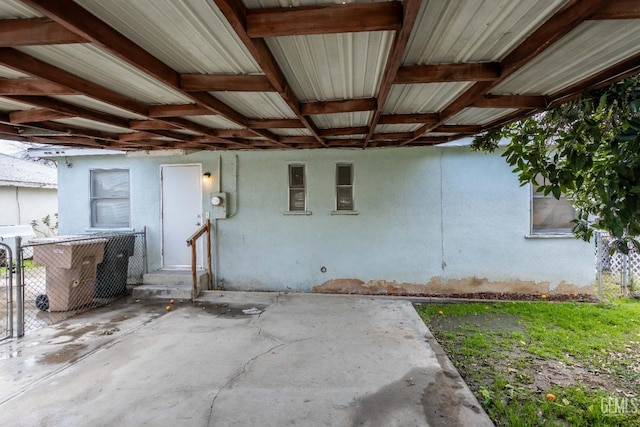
(588, 150)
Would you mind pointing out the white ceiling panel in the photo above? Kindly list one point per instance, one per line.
(408, 127)
(7, 105)
(591, 47)
(14, 9)
(93, 63)
(423, 98)
(90, 124)
(8, 73)
(342, 120)
(258, 105)
(86, 102)
(454, 31)
(189, 36)
(216, 122)
(481, 116)
(333, 66)
(291, 132)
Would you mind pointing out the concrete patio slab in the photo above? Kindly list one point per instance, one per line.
(301, 359)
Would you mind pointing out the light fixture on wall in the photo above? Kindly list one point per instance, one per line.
(206, 176)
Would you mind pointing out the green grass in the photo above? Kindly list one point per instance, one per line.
(501, 348)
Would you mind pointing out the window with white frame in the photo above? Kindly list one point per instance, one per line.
(297, 188)
(344, 187)
(110, 194)
(550, 215)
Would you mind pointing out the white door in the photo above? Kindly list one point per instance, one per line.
(181, 213)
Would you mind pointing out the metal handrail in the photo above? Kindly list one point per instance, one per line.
(191, 241)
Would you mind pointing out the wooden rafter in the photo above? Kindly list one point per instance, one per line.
(437, 73)
(275, 124)
(619, 9)
(395, 119)
(326, 19)
(511, 101)
(358, 130)
(37, 87)
(78, 20)
(39, 115)
(236, 14)
(236, 83)
(409, 16)
(560, 24)
(34, 32)
(332, 107)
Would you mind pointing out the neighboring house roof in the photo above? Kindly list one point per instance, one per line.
(271, 74)
(21, 173)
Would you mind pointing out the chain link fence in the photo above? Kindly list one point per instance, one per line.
(59, 277)
(618, 274)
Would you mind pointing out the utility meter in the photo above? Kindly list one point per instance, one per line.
(219, 205)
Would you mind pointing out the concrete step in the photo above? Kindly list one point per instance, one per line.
(164, 284)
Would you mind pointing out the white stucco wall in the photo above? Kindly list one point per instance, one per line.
(21, 205)
(426, 215)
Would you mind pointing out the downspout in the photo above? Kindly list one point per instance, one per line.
(18, 206)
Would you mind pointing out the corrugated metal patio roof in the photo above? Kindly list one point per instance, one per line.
(277, 74)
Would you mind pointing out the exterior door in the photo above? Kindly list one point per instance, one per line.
(181, 213)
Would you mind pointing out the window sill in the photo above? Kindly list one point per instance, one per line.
(345, 213)
(296, 213)
(550, 236)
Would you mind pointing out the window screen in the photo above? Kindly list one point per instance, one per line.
(110, 206)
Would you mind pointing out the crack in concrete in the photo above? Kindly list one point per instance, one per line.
(242, 371)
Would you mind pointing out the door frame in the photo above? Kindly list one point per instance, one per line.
(200, 258)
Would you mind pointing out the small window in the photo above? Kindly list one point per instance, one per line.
(297, 189)
(110, 198)
(344, 187)
(550, 215)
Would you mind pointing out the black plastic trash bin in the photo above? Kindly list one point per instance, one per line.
(111, 278)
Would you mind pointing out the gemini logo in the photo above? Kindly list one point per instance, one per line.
(619, 406)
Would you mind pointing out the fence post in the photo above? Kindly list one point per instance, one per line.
(19, 289)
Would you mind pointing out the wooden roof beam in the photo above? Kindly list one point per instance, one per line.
(178, 110)
(31, 86)
(559, 25)
(29, 65)
(34, 116)
(358, 130)
(410, 12)
(332, 107)
(35, 32)
(235, 13)
(395, 119)
(326, 19)
(80, 21)
(619, 9)
(275, 124)
(511, 101)
(151, 125)
(219, 83)
(438, 73)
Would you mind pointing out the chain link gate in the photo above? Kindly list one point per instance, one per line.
(62, 276)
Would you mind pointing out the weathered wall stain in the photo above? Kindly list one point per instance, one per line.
(437, 286)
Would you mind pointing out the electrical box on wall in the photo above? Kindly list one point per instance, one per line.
(218, 205)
